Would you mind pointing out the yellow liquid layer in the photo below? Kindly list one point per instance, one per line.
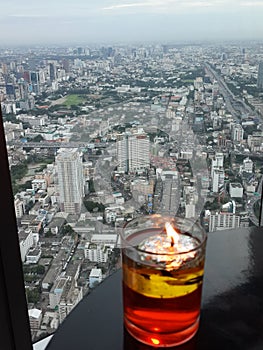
(162, 284)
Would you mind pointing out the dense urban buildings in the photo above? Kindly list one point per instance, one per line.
(98, 135)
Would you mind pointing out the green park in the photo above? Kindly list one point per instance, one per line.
(74, 100)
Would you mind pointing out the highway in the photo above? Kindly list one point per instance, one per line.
(237, 107)
(46, 144)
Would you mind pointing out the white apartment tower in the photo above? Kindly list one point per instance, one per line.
(70, 180)
(218, 179)
(133, 152)
(248, 165)
(217, 172)
(237, 133)
(217, 162)
(19, 207)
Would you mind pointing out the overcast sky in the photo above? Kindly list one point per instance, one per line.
(91, 21)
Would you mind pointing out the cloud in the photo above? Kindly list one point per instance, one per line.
(134, 4)
(252, 3)
(165, 5)
(20, 15)
(198, 4)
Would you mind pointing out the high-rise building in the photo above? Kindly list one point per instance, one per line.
(190, 210)
(218, 160)
(221, 140)
(70, 180)
(222, 221)
(217, 172)
(66, 65)
(218, 179)
(133, 152)
(34, 82)
(237, 132)
(19, 207)
(260, 76)
(22, 89)
(52, 72)
(248, 165)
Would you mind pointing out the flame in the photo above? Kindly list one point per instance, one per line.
(155, 341)
(171, 233)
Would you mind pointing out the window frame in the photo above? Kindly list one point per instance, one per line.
(14, 320)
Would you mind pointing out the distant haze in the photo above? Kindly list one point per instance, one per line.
(90, 21)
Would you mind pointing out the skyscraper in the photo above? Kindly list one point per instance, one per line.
(217, 163)
(237, 132)
(133, 152)
(70, 180)
(260, 76)
(52, 72)
(218, 179)
(34, 82)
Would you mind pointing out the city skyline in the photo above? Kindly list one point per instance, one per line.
(98, 136)
(130, 20)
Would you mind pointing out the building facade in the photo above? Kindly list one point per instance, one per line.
(260, 76)
(133, 152)
(96, 253)
(235, 190)
(223, 221)
(237, 133)
(70, 180)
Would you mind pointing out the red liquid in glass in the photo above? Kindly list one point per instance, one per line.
(161, 308)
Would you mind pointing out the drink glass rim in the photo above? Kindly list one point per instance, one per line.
(128, 244)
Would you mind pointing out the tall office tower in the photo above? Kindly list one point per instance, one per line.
(70, 180)
(260, 76)
(34, 82)
(52, 72)
(133, 152)
(66, 65)
(22, 89)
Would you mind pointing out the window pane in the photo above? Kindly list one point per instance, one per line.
(98, 134)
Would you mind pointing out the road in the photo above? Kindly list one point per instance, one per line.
(46, 144)
(237, 107)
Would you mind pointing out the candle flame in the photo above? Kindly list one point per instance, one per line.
(172, 234)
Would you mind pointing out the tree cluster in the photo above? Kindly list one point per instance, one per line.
(94, 206)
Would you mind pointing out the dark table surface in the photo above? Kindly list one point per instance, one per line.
(232, 303)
